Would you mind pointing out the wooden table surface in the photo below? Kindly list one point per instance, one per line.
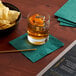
(16, 64)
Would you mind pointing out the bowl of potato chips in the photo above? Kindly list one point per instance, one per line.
(9, 17)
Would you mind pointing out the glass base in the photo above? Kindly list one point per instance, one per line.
(37, 41)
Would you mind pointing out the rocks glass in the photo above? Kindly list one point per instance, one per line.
(38, 27)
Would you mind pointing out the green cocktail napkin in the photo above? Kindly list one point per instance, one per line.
(65, 24)
(68, 11)
(42, 50)
(66, 14)
(66, 21)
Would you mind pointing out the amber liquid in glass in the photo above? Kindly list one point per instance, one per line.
(37, 34)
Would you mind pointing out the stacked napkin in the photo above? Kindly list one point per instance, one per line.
(67, 14)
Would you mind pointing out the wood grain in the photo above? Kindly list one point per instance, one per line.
(15, 64)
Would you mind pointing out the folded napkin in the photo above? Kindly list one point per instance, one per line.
(66, 21)
(42, 50)
(68, 13)
(66, 24)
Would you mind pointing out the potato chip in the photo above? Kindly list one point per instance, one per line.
(1, 5)
(5, 13)
(13, 15)
(7, 26)
(3, 22)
